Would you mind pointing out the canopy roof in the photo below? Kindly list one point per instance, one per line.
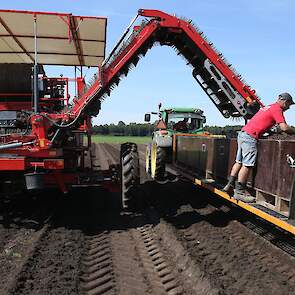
(63, 39)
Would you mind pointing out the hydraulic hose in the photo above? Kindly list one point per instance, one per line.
(14, 145)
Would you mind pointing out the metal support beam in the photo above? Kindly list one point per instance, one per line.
(35, 90)
(50, 38)
(75, 38)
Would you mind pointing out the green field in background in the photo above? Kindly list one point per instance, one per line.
(120, 139)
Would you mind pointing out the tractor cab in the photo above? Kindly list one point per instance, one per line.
(184, 120)
(178, 120)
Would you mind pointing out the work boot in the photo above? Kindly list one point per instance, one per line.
(229, 188)
(242, 194)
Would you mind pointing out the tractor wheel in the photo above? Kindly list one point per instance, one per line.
(158, 161)
(148, 159)
(130, 177)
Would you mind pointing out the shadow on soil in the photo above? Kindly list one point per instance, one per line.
(26, 210)
(92, 210)
(95, 210)
(177, 201)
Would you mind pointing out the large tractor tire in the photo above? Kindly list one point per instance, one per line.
(148, 152)
(158, 162)
(130, 175)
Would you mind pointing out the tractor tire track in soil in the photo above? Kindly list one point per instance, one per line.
(217, 236)
(182, 242)
(234, 259)
(126, 256)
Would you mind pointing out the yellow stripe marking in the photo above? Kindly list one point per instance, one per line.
(274, 220)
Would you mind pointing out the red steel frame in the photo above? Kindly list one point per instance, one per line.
(161, 19)
(27, 105)
(42, 147)
(66, 96)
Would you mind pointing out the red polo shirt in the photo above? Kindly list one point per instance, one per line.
(264, 120)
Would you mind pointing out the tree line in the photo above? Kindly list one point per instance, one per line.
(228, 130)
(146, 129)
(132, 129)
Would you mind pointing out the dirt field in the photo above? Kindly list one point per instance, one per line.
(184, 242)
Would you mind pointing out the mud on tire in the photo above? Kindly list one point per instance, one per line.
(130, 175)
(158, 162)
(148, 159)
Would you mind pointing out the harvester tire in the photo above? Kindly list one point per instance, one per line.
(148, 159)
(130, 175)
(158, 162)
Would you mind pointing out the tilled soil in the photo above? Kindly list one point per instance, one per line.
(233, 259)
(281, 136)
(183, 242)
(53, 267)
(23, 220)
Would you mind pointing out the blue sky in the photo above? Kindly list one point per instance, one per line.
(257, 37)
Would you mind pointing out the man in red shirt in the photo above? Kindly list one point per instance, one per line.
(266, 118)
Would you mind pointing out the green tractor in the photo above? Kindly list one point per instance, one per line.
(170, 121)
